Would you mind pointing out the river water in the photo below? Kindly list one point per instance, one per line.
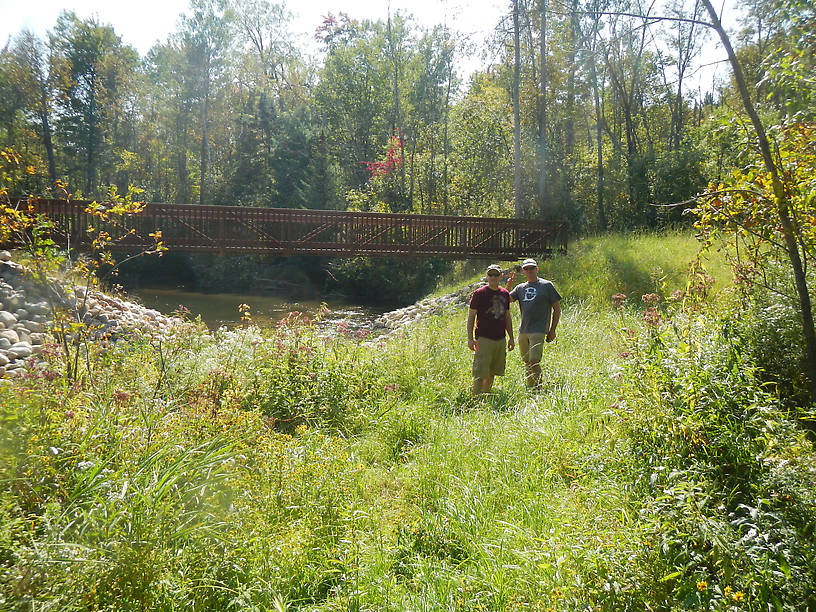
(221, 309)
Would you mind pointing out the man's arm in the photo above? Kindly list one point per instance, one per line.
(470, 320)
(508, 325)
(556, 315)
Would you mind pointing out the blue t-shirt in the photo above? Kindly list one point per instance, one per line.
(536, 300)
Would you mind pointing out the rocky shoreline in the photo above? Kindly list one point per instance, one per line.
(400, 319)
(27, 311)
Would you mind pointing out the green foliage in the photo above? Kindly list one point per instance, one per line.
(302, 383)
(744, 207)
(723, 476)
(386, 280)
(282, 469)
(632, 264)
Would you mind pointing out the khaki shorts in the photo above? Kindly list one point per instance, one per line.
(531, 347)
(490, 357)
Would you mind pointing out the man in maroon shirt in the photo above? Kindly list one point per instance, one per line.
(490, 309)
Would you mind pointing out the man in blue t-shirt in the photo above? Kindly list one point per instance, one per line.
(490, 309)
(540, 307)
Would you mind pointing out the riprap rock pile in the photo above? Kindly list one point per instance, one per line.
(27, 310)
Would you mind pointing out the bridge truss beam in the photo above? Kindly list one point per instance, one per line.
(284, 231)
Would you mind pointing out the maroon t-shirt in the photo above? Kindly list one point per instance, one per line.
(490, 307)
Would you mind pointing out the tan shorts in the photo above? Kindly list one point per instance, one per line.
(490, 358)
(531, 347)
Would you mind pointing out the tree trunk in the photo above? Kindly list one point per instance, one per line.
(782, 205)
(516, 114)
(49, 145)
(599, 185)
(543, 199)
(205, 138)
(445, 143)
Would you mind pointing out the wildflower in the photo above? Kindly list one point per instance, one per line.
(650, 299)
(120, 397)
(738, 596)
(652, 317)
(727, 591)
(676, 295)
(618, 299)
(362, 333)
(49, 374)
(390, 387)
(69, 414)
(702, 585)
(626, 354)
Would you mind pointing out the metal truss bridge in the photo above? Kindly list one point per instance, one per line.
(285, 231)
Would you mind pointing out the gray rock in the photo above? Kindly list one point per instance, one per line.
(14, 302)
(24, 335)
(10, 335)
(35, 327)
(3, 359)
(21, 350)
(5, 343)
(7, 319)
(39, 308)
(37, 338)
(5, 256)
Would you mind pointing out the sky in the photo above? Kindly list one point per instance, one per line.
(143, 22)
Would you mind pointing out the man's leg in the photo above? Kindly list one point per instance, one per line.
(487, 383)
(480, 368)
(532, 361)
(533, 374)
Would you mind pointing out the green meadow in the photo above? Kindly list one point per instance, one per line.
(660, 468)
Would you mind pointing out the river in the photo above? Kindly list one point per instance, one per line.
(221, 309)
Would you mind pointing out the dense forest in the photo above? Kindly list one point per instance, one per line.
(584, 115)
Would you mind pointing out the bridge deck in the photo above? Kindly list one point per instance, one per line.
(284, 231)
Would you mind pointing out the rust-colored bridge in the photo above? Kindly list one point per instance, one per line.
(284, 231)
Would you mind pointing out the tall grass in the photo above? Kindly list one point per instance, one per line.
(279, 470)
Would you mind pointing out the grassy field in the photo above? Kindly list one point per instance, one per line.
(276, 470)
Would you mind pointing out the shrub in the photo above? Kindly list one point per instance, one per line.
(725, 475)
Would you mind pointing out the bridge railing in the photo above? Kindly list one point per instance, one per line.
(235, 229)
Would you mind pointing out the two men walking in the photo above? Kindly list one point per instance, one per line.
(490, 309)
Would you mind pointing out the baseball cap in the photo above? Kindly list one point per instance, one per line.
(529, 263)
(494, 268)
